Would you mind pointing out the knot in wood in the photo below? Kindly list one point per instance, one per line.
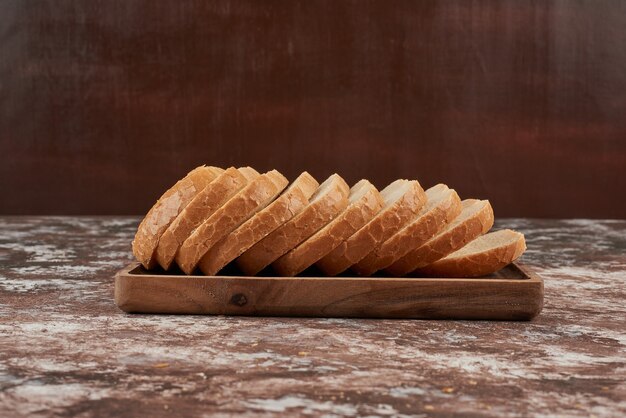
(238, 299)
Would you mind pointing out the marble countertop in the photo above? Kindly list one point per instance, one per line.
(66, 349)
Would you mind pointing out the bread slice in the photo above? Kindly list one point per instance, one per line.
(203, 205)
(256, 195)
(475, 219)
(166, 209)
(249, 173)
(285, 207)
(327, 202)
(443, 205)
(363, 203)
(484, 255)
(403, 199)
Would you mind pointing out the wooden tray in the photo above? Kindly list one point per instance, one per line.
(514, 293)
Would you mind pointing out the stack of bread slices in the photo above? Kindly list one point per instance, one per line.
(214, 217)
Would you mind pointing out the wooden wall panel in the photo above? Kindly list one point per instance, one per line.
(104, 104)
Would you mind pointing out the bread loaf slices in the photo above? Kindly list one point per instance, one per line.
(166, 209)
(364, 202)
(249, 173)
(285, 207)
(443, 205)
(257, 194)
(402, 200)
(327, 202)
(475, 219)
(203, 205)
(484, 255)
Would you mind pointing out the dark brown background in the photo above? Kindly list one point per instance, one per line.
(105, 104)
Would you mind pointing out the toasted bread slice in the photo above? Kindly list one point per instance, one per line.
(166, 209)
(203, 205)
(403, 199)
(363, 203)
(285, 207)
(475, 219)
(484, 255)
(442, 207)
(255, 196)
(327, 202)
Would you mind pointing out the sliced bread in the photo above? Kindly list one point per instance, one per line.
(256, 195)
(327, 202)
(364, 202)
(475, 219)
(484, 255)
(284, 208)
(249, 173)
(166, 209)
(442, 206)
(403, 199)
(203, 205)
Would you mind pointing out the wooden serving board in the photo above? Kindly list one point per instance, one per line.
(514, 293)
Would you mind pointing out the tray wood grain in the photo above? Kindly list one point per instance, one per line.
(514, 293)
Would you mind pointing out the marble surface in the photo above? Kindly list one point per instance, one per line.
(66, 350)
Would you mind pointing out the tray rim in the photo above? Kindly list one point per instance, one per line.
(529, 273)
